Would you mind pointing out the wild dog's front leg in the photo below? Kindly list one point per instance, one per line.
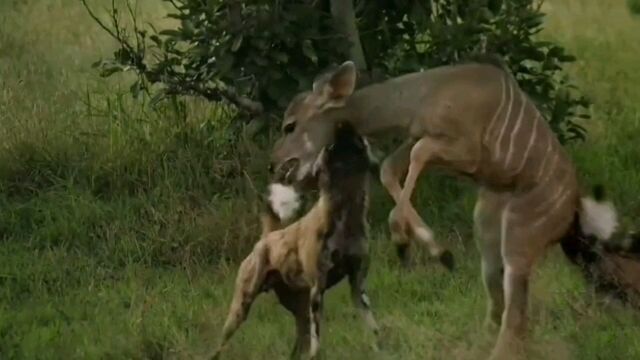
(297, 302)
(315, 315)
(250, 277)
(358, 267)
(393, 169)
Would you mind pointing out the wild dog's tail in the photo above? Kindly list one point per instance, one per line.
(609, 258)
(597, 216)
(596, 232)
(595, 222)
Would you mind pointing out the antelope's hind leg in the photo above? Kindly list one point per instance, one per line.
(487, 225)
(393, 169)
(521, 247)
(249, 281)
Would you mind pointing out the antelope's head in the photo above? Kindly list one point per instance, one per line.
(310, 122)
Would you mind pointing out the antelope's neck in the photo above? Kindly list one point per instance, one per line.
(378, 109)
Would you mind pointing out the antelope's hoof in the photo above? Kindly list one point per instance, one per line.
(447, 260)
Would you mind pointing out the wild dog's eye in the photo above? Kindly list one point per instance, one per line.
(288, 128)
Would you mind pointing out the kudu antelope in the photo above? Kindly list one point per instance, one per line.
(474, 120)
(304, 259)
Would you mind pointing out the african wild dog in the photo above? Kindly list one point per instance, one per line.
(612, 265)
(304, 259)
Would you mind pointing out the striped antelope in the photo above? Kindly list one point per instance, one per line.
(472, 119)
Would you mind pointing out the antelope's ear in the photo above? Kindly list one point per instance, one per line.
(335, 87)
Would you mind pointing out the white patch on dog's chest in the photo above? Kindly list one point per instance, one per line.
(284, 200)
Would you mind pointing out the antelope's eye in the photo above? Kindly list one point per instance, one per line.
(288, 129)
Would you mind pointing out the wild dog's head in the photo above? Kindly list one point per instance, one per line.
(348, 155)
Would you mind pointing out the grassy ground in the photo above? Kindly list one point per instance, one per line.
(113, 222)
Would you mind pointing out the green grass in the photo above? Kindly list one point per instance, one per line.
(121, 226)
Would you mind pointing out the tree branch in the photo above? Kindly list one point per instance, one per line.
(344, 17)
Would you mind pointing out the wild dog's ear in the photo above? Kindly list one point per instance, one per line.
(335, 87)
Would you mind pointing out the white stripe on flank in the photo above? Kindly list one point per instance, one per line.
(550, 200)
(531, 140)
(505, 122)
(495, 117)
(546, 156)
(550, 213)
(552, 167)
(515, 129)
(504, 222)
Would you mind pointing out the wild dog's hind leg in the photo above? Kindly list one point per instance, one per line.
(297, 302)
(250, 278)
(393, 169)
(358, 268)
(315, 315)
(487, 231)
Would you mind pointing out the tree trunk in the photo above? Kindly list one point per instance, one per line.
(344, 16)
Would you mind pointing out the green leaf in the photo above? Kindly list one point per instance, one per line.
(280, 57)
(109, 70)
(309, 51)
(156, 39)
(135, 89)
(237, 42)
(171, 33)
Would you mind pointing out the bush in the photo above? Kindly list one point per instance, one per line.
(634, 6)
(256, 54)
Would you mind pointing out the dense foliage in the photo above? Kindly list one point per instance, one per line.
(634, 6)
(256, 54)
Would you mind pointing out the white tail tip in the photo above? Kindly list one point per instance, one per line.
(284, 200)
(599, 219)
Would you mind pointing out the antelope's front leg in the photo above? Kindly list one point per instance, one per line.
(404, 220)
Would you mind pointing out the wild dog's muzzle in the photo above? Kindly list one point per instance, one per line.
(286, 172)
